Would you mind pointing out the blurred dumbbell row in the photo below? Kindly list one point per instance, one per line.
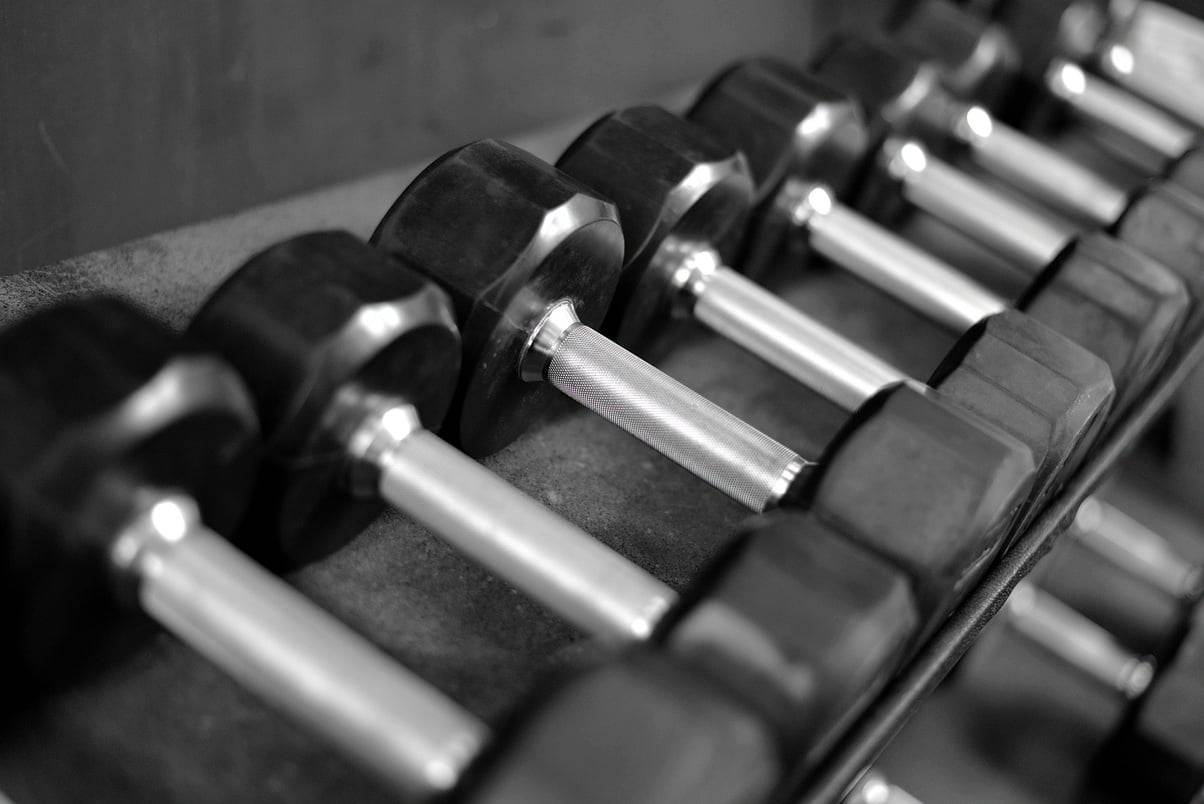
(328, 377)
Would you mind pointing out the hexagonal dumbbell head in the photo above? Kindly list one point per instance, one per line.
(1043, 29)
(638, 729)
(977, 59)
(818, 625)
(677, 190)
(99, 408)
(323, 327)
(897, 91)
(788, 125)
(902, 450)
(1050, 394)
(1167, 224)
(1122, 305)
(506, 235)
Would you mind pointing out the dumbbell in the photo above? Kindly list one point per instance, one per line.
(760, 109)
(755, 107)
(348, 352)
(752, 109)
(1016, 395)
(978, 60)
(121, 459)
(906, 98)
(1159, 747)
(531, 260)
(681, 194)
(1129, 318)
(1036, 243)
(518, 243)
(1148, 48)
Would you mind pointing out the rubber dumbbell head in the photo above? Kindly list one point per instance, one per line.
(1166, 223)
(786, 127)
(100, 407)
(818, 623)
(977, 59)
(675, 193)
(982, 482)
(637, 729)
(532, 238)
(322, 327)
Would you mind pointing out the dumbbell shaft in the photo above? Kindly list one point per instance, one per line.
(1136, 549)
(286, 649)
(1015, 230)
(511, 534)
(1064, 633)
(1037, 169)
(890, 262)
(695, 433)
(747, 314)
(1104, 105)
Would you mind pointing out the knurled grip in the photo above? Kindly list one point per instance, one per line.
(732, 456)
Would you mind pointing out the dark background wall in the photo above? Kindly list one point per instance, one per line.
(131, 116)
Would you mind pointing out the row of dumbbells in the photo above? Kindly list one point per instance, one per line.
(475, 303)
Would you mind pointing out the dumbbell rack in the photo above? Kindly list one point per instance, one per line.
(191, 260)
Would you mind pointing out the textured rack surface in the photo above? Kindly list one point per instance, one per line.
(161, 724)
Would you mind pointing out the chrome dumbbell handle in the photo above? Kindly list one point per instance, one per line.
(1038, 170)
(509, 533)
(888, 261)
(1006, 225)
(1110, 108)
(747, 314)
(719, 448)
